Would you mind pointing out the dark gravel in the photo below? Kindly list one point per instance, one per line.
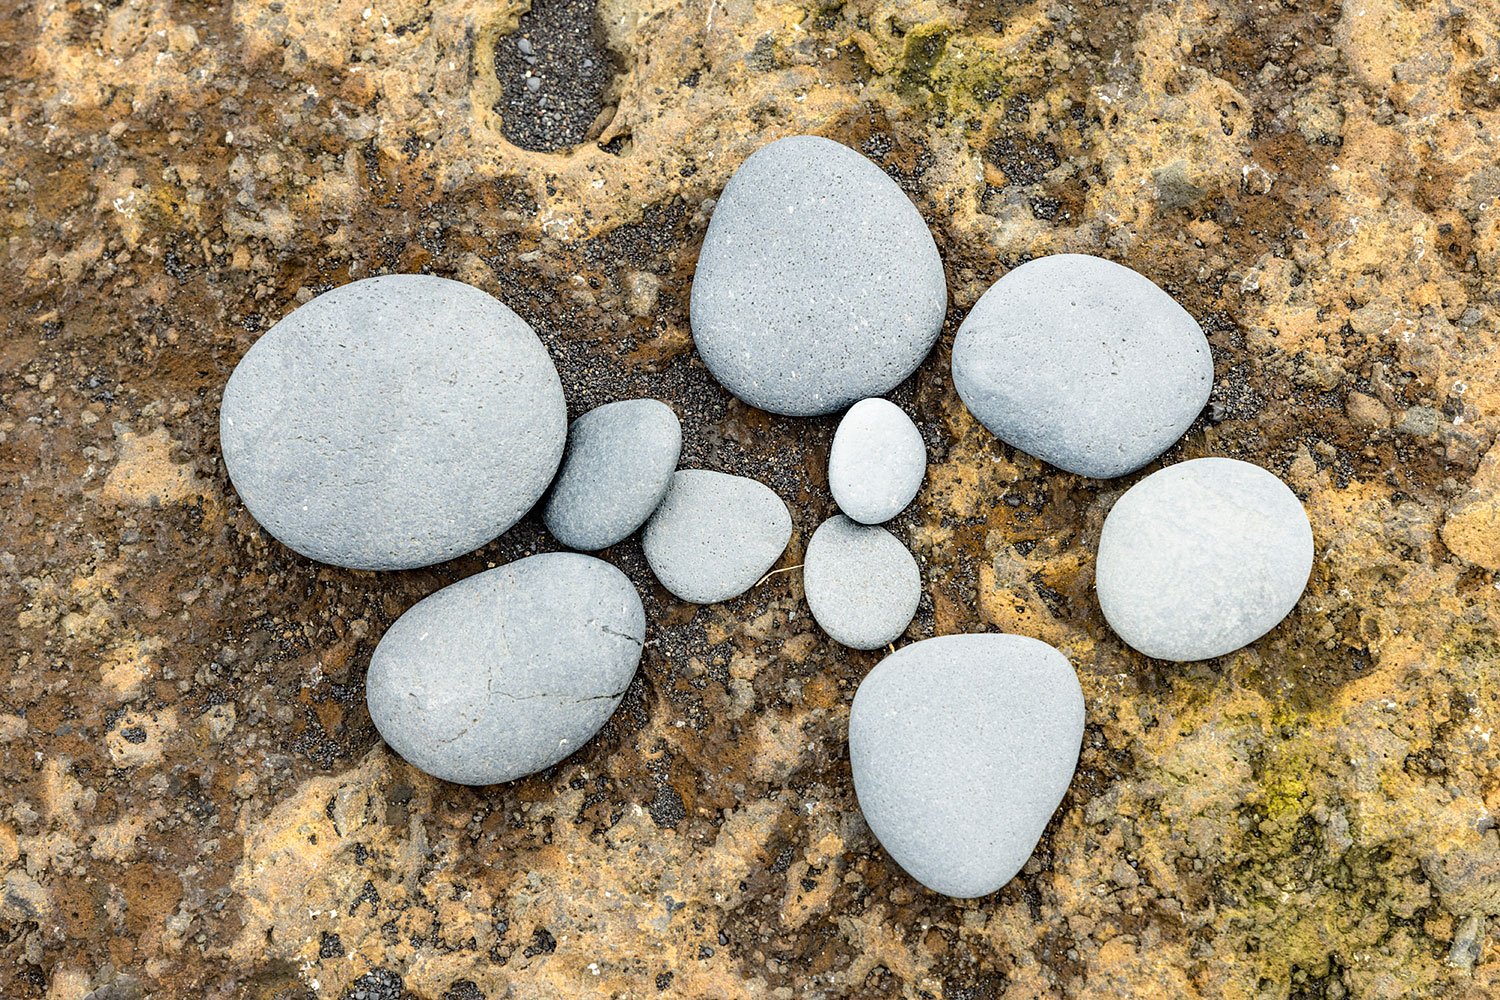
(555, 72)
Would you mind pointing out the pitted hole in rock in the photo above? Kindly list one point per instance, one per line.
(556, 76)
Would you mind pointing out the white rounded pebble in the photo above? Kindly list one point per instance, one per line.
(715, 535)
(393, 422)
(877, 461)
(862, 584)
(1083, 363)
(616, 469)
(962, 747)
(509, 671)
(818, 283)
(1202, 558)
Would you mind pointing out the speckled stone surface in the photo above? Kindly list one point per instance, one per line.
(876, 462)
(615, 471)
(715, 535)
(1083, 363)
(862, 584)
(392, 423)
(508, 671)
(1201, 558)
(962, 747)
(818, 283)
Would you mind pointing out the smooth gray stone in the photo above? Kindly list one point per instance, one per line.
(861, 583)
(818, 283)
(1083, 363)
(962, 747)
(715, 535)
(508, 671)
(616, 469)
(1202, 558)
(877, 461)
(393, 422)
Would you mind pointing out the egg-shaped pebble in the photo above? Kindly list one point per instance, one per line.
(962, 747)
(715, 535)
(509, 671)
(393, 422)
(1083, 363)
(877, 461)
(615, 471)
(1202, 558)
(818, 283)
(862, 584)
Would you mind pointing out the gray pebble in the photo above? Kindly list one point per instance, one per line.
(533, 83)
(962, 748)
(1083, 363)
(877, 461)
(818, 283)
(616, 469)
(1202, 558)
(393, 422)
(862, 585)
(715, 535)
(509, 671)
(525, 46)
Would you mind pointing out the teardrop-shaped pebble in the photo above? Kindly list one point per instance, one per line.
(616, 469)
(1202, 558)
(509, 671)
(818, 283)
(962, 748)
(862, 584)
(393, 422)
(877, 461)
(1083, 363)
(715, 535)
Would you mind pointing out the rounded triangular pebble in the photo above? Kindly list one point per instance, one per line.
(862, 584)
(818, 283)
(393, 422)
(962, 748)
(877, 461)
(509, 671)
(617, 467)
(1202, 558)
(715, 535)
(1083, 363)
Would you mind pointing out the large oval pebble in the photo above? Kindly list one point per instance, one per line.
(862, 584)
(962, 748)
(1201, 558)
(877, 461)
(818, 283)
(393, 422)
(616, 469)
(715, 535)
(1083, 363)
(508, 671)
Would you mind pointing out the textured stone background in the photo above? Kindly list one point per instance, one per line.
(195, 803)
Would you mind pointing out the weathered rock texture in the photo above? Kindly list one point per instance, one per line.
(193, 798)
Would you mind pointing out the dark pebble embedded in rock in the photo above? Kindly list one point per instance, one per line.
(393, 422)
(715, 535)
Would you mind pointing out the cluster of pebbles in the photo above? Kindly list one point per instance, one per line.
(401, 421)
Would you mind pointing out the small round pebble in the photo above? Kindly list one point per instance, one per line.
(877, 461)
(509, 671)
(962, 748)
(715, 535)
(818, 284)
(1083, 363)
(1202, 558)
(616, 469)
(393, 422)
(861, 583)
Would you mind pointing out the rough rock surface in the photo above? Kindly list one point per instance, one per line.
(961, 747)
(393, 422)
(1303, 818)
(862, 584)
(617, 467)
(876, 462)
(509, 671)
(715, 535)
(818, 283)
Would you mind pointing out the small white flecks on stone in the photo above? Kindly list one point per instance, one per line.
(877, 461)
